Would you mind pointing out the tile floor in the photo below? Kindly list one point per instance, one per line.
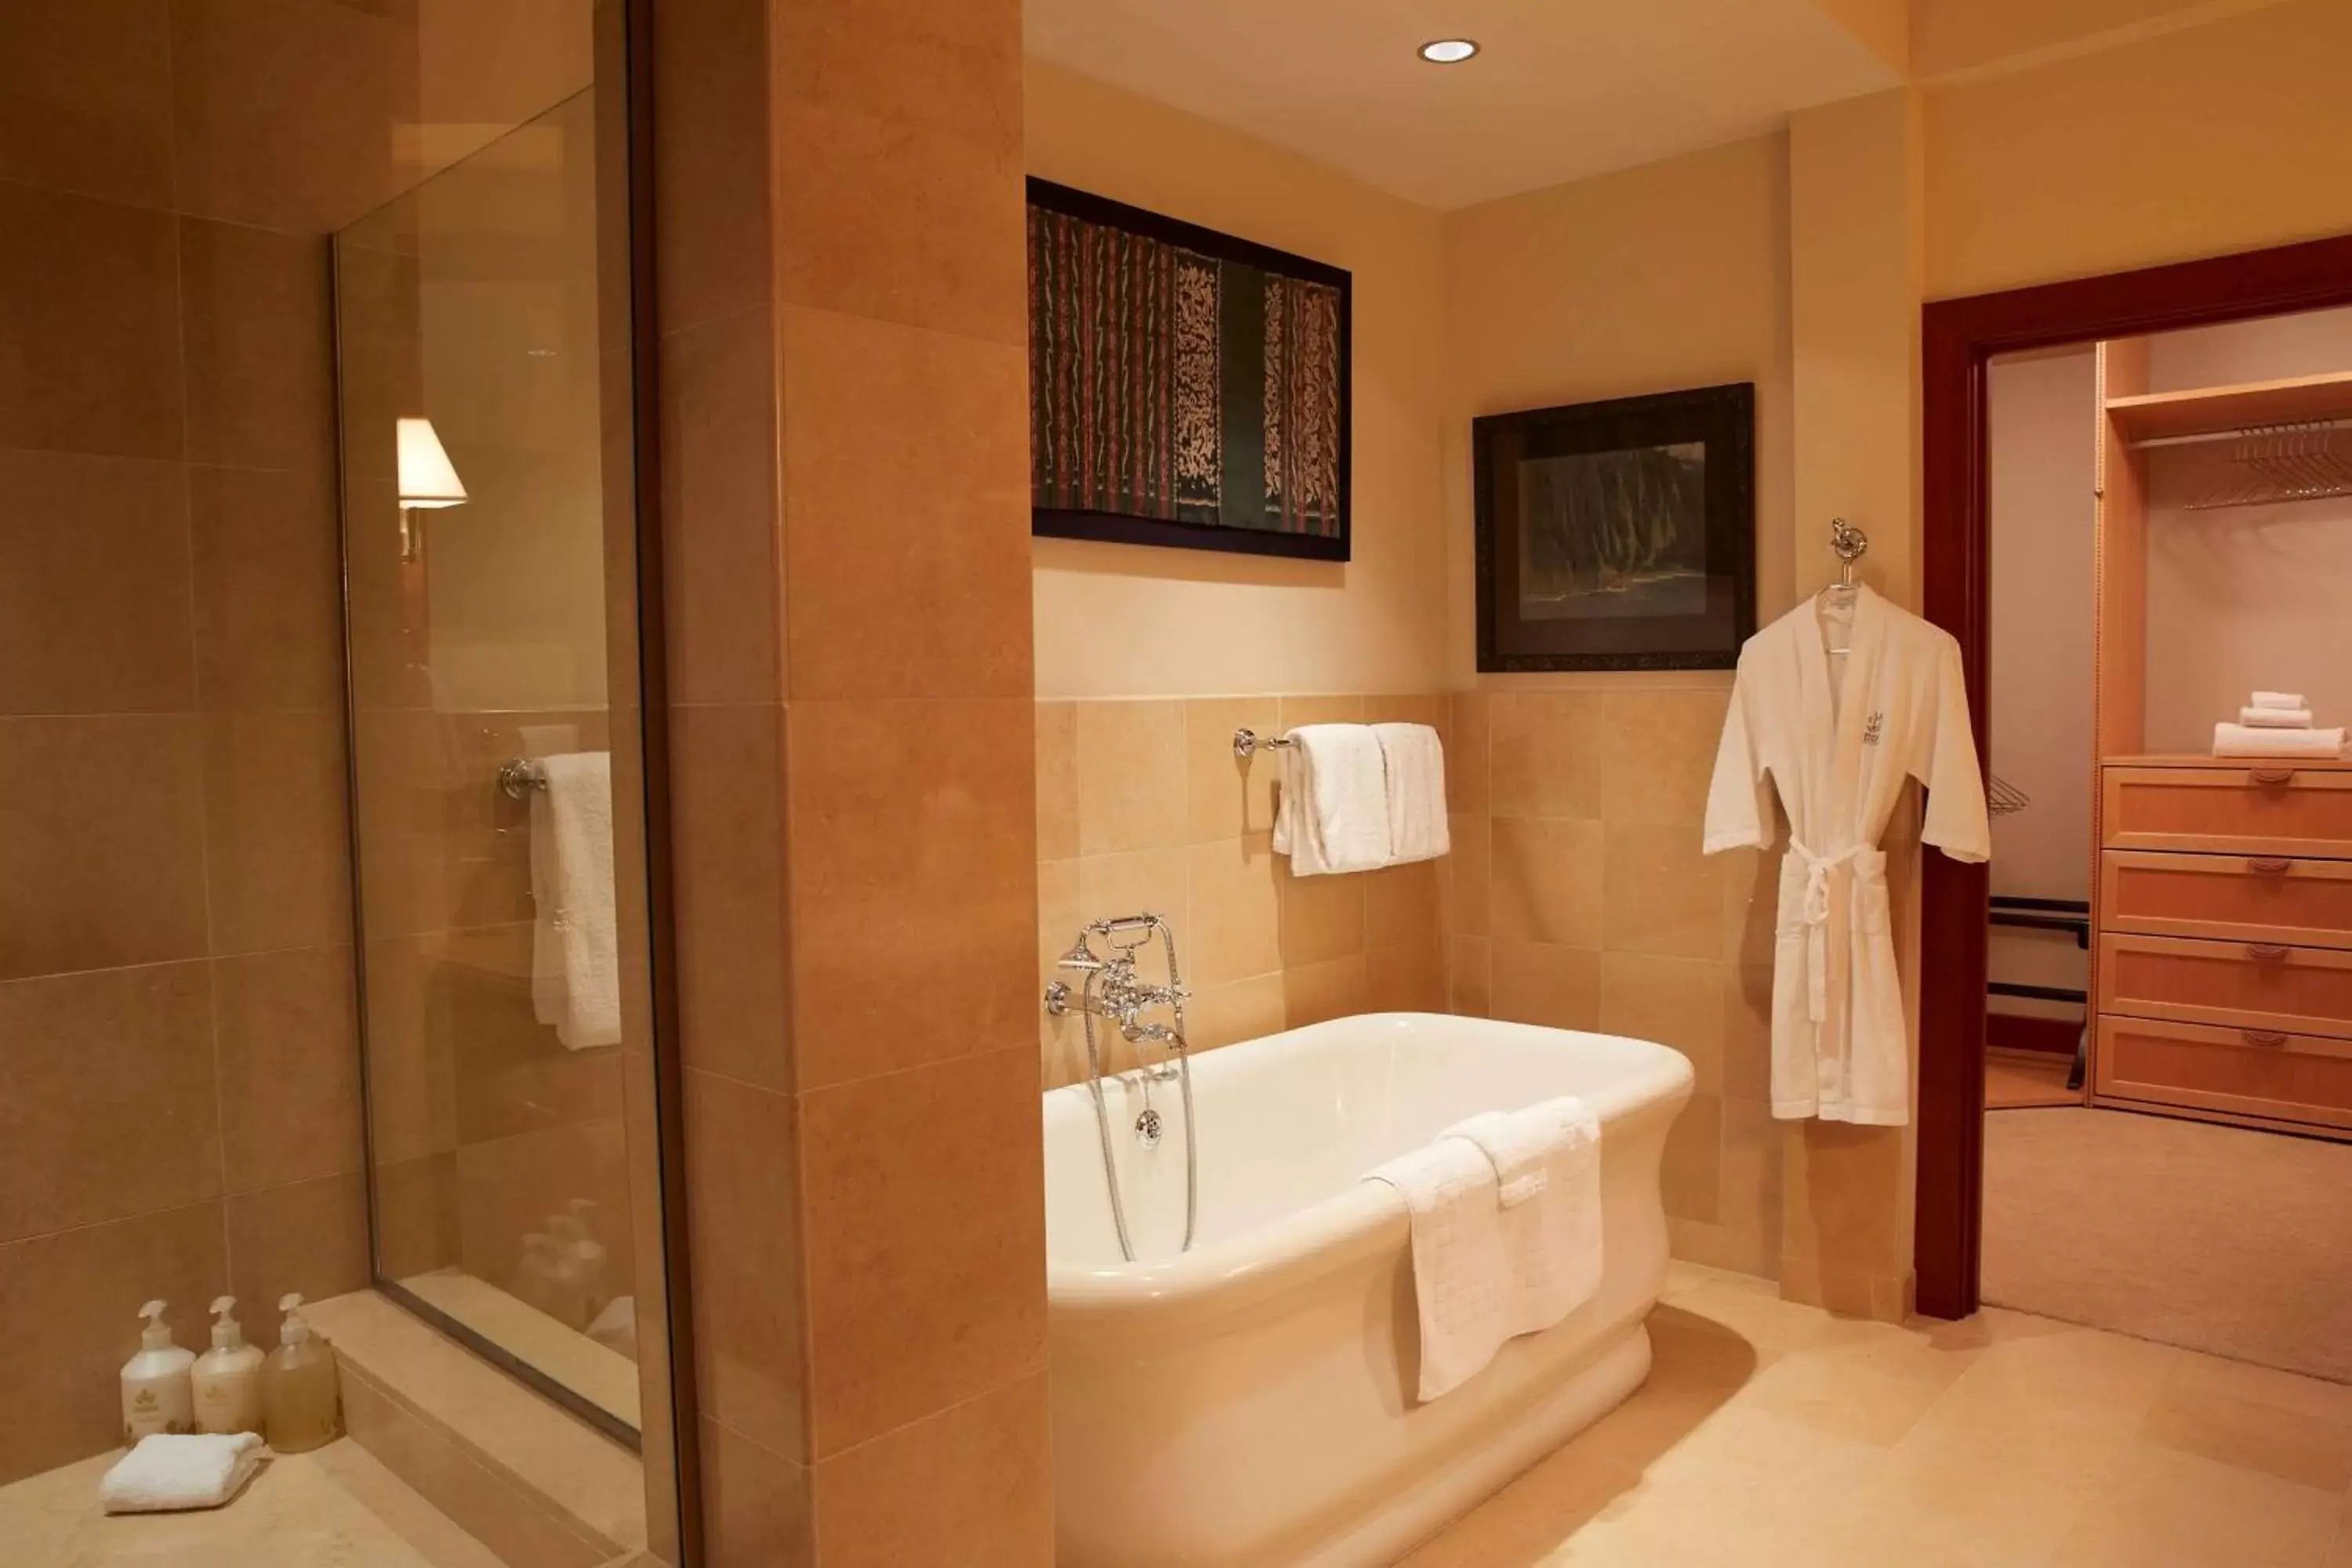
(1774, 1436)
(336, 1505)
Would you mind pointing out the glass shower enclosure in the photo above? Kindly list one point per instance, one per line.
(487, 428)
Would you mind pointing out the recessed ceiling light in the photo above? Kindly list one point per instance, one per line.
(1448, 51)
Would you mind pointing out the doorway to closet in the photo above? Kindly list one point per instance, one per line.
(2167, 1076)
(2164, 1155)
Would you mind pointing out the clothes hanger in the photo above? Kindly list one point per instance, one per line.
(1850, 545)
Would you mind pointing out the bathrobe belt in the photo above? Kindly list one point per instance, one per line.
(1816, 912)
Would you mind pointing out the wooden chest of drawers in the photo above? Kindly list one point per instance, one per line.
(2223, 974)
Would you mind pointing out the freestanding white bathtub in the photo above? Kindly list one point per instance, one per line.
(1249, 1404)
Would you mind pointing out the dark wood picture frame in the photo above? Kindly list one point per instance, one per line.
(1723, 420)
(1122, 528)
(1960, 338)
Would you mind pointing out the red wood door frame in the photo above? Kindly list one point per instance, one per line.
(1959, 337)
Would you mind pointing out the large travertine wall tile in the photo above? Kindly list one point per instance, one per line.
(742, 1151)
(276, 834)
(72, 1299)
(1131, 777)
(1228, 796)
(913, 833)
(755, 1501)
(924, 1287)
(268, 626)
(260, 371)
(727, 891)
(90, 305)
(86, 98)
(879, 543)
(285, 1028)
(988, 1495)
(102, 843)
(721, 559)
(1546, 879)
(92, 531)
(106, 1097)
(283, 110)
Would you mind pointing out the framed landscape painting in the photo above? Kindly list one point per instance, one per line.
(1186, 388)
(1617, 535)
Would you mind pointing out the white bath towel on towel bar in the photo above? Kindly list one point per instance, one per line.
(1413, 759)
(1334, 815)
(575, 972)
(1484, 1273)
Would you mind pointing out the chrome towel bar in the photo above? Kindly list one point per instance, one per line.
(1246, 743)
(519, 776)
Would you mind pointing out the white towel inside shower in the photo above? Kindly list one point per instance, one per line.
(575, 973)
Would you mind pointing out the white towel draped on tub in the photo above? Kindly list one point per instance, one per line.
(1334, 815)
(169, 1471)
(1414, 760)
(1486, 1269)
(575, 973)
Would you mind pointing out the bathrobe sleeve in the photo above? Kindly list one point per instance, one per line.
(1738, 802)
(1957, 821)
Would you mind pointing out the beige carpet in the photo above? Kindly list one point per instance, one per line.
(2218, 1238)
(2027, 1077)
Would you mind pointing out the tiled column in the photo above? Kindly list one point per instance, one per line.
(846, 542)
(1856, 281)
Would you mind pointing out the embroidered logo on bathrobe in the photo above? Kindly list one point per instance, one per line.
(1871, 728)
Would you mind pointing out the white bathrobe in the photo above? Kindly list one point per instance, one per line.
(1838, 743)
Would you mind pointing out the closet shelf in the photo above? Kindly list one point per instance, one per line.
(2217, 410)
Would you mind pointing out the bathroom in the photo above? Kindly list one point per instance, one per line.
(718, 312)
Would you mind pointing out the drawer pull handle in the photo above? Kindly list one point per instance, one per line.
(2263, 1038)
(2266, 951)
(2272, 776)
(2270, 865)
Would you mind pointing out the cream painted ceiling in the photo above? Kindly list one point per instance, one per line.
(1560, 89)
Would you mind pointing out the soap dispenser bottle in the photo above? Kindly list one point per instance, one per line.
(156, 1393)
(299, 1403)
(228, 1376)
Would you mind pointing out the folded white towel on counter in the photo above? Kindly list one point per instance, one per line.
(2275, 718)
(1415, 760)
(169, 1471)
(2288, 700)
(1484, 1273)
(2243, 741)
(575, 971)
(1334, 814)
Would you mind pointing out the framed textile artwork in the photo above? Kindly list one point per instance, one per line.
(1618, 535)
(1186, 388)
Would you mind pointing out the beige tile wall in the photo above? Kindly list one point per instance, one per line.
(1142, 805)
(1579, 900)
(179, 1097)
(846, 558)
(179, 1094)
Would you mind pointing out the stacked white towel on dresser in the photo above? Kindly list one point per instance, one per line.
(2275, 724)
(1507, 1231)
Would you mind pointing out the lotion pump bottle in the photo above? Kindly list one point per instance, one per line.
(156, 1393)
(228, 1376)
(297, 1386)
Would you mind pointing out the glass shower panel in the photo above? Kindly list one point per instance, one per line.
(489, 562)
